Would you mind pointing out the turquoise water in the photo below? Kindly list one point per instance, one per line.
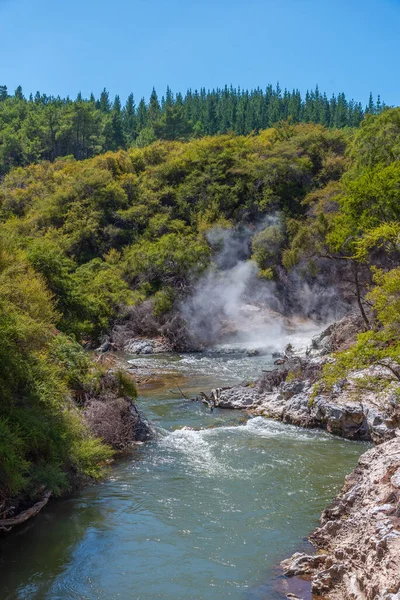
(198, 514)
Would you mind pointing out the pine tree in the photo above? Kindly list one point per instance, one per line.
(104, 102)
(114, 132)
(211, 124)
(169, 97)
(117, 104)
(142, 115)
(154, 107)
(129, 122)
(18, 93)
(332, 110)
(370, 109)
(240, 125)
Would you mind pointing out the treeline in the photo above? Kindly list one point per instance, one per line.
(44, 127)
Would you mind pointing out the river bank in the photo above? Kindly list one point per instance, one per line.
(291, 393)
(109, 412)
(357, 554)
(346, 411)
(217, 499)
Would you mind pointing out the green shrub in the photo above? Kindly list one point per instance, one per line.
(44, 442)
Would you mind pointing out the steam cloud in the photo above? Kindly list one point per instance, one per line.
(230, 304)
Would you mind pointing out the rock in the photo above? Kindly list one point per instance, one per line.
(347, 420)
(105, 346)
(395, 479)
(238, 397)
(252, 352)
(292, 388)
(339, 335)
(146, 350)
(339, 411)
(302, 564)
(140, 346)
(382, 508)
(288, 350)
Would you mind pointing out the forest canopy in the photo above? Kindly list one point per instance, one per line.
(43, 127)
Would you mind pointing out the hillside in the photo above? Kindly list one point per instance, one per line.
(85, 244)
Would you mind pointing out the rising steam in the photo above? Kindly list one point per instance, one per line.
(231, 304)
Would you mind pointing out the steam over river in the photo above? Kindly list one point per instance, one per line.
(202, 513)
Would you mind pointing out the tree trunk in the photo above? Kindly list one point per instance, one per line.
(358, 296)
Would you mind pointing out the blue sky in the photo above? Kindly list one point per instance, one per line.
(66, 46)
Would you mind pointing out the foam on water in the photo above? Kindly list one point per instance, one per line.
(219, 451)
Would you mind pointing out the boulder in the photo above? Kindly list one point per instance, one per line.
(238, 397)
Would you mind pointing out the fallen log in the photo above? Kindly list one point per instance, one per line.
(7, 524)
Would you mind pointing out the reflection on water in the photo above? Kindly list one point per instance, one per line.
(200, 513)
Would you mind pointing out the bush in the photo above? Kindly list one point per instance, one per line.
(381, 345)
(44, 442)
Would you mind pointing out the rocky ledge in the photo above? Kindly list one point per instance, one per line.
(289, 393)
(358, 542)
(140, 345)
(341, 412)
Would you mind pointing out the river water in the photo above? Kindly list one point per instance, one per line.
(198, 514)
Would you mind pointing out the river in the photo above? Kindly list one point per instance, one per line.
(197, 514)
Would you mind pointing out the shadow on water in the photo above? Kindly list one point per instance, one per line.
(36, 553)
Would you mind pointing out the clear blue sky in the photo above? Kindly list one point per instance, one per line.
(66, 46)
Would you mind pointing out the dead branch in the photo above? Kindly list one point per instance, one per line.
(183, 395)
(7, 524)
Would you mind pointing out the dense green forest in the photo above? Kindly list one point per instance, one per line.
(83, 242)
(44, 127)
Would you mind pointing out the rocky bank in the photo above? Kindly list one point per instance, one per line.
(289, 393)
(342, 412)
